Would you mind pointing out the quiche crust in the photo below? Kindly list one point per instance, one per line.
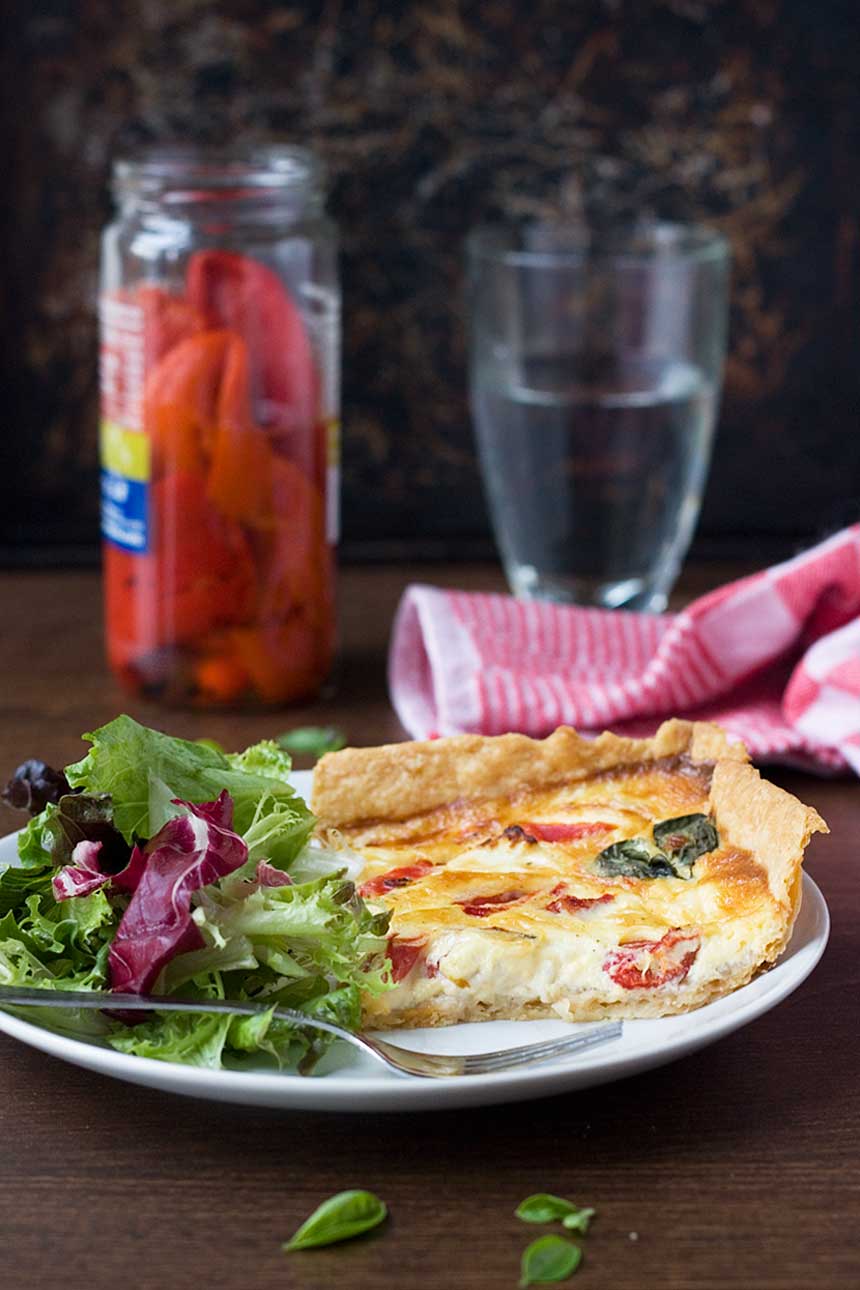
(402, 802)
(398, 781)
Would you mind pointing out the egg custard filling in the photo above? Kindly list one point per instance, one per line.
(567, 877)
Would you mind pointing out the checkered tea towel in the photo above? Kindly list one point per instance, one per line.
(774, 658)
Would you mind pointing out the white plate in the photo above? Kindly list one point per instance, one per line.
(348, 1081)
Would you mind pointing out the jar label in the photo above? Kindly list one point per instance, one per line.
(125, 484)
(121, 371)
(124, 447)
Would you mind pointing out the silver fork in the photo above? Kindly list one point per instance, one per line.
(405, 1060)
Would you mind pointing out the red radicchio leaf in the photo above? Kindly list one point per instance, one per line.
(188, 853)
(83, 876)
(267, 875)
(86, 872)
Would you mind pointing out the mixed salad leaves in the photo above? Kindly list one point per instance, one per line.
(156, 865)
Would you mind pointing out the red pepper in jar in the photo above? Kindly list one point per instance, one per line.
(217, 409)
(248, 298)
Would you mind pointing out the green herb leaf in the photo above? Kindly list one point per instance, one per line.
(549, 1258)
(339, 1218)
(633, 858)
(579, 1221)
(544, 1208)
(313, 741)
(684, 839)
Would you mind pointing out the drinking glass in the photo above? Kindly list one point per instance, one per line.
(596, 361)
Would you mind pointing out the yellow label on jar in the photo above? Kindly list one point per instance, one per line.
(124, 452)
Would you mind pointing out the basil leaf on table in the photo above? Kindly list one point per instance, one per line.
(545, 1208)
(548, 1259)
(579, 1220)
(312, 741)
(339, 1218)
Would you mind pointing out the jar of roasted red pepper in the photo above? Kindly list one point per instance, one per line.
(219, 435)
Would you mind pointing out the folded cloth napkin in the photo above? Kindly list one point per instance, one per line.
(774, 658)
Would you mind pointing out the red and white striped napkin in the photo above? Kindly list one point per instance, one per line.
(774, 658)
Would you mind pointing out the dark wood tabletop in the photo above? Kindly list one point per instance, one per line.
(736, 1167)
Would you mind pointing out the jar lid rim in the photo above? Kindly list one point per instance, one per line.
(183, 167)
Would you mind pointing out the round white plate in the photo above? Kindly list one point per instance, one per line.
(349, 1081)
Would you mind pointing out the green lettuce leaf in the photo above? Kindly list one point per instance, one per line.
(16, 884)
(311, 928)
(264, 758)
(193, 1040)
(278, 831)
(314, 947)
(127, 759)
(65, 938)
(60, 947)
(35, 840)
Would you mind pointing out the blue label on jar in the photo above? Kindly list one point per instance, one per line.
(125, 486)
(124, 506)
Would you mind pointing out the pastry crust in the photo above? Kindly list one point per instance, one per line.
(403, 801)
(769, 824)
(399, 781)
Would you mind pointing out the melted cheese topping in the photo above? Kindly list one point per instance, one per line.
(506, 915)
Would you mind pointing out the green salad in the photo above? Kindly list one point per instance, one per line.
(159, 866)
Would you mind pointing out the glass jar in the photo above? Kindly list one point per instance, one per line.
(219, 440)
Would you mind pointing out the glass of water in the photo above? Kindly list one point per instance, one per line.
(596, 363)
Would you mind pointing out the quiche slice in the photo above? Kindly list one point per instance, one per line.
(567, 877)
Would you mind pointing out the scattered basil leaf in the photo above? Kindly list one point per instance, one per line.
(549, 1258)
(579, 1221)
(633, 858)
(684, 839)
(312, 741)
(339, 1218)
(545, 1208)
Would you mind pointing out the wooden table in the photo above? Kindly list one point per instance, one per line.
(736, 1167)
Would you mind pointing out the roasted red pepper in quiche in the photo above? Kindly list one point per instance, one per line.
(224, 592)
(646, 965)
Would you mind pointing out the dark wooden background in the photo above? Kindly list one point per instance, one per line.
(431, 117)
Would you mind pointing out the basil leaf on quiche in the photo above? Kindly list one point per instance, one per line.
(684, 839)
(633, 858)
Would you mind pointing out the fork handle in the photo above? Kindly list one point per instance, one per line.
(108, 1001)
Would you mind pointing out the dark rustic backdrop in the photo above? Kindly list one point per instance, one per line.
(432, 116)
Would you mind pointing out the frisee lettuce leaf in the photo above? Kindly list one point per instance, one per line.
(60, 947)
(192, 1039)
(126, 758)
(17, 883)
(307, 928)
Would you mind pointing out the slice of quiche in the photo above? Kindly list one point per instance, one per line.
(567, 877)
